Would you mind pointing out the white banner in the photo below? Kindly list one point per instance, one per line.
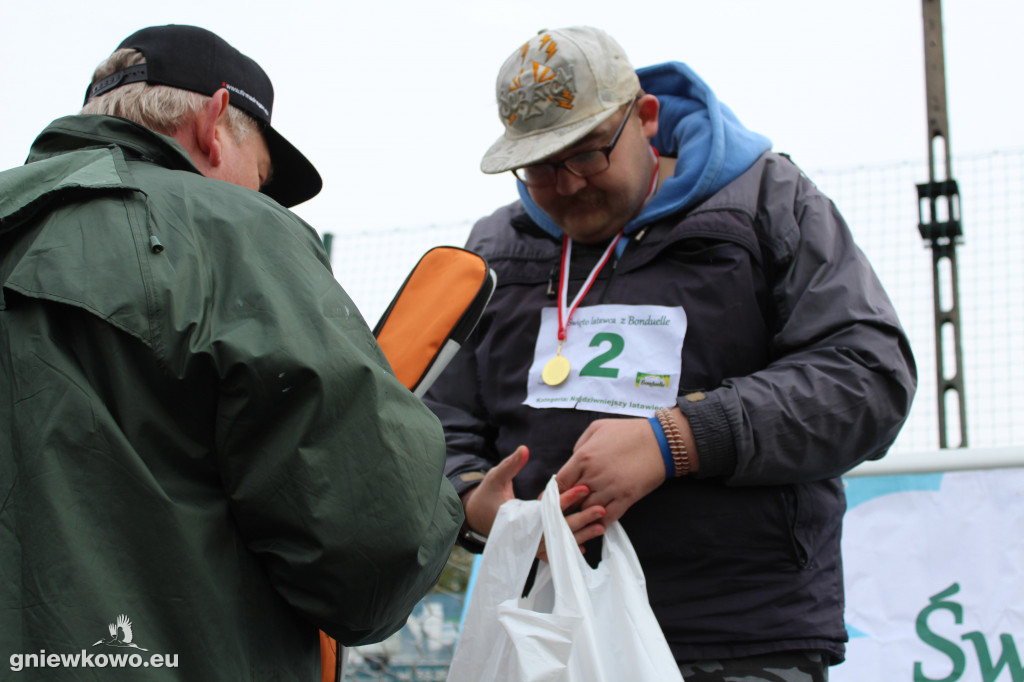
(934, 567)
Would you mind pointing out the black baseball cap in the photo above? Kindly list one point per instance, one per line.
(192, 58)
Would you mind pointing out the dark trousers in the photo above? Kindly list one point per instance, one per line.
(787, 666)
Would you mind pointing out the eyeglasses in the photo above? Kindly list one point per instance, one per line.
(583, 164)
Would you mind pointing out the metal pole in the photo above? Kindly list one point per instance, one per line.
(941, 461)
(940, 227)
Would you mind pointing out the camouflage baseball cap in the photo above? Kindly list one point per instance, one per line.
(555, 89)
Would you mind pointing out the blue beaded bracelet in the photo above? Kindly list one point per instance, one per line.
(666, 451)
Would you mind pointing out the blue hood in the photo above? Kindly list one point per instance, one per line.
(712, 147)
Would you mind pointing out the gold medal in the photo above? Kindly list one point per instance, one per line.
(555, 371)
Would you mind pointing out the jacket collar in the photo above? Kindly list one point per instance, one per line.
(82, 131)
(78, 154)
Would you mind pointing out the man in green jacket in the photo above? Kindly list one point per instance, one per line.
(204, 455)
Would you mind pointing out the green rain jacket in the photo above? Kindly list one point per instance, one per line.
(204, 455)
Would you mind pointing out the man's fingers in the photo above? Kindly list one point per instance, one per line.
(482, 502)
(569, 475)
(509, 467)
(590, 532)
(585, 526)
(571, 472)
(572, 497)
(585, 517)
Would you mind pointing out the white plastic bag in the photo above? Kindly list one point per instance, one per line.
(577, 625)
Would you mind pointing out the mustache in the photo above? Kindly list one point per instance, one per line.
(587, 197)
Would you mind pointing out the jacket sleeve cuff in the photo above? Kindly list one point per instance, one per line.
(711, 433)
(468, 539)
(465, 480)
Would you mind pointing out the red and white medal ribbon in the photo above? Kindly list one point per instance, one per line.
(557, 368)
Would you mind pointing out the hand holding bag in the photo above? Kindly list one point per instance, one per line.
(577, 625)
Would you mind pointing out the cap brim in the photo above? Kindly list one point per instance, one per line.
(514, 152)
(294, 179)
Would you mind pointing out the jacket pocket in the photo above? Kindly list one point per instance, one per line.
(793, 505)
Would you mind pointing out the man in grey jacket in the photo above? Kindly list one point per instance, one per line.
(685, 334)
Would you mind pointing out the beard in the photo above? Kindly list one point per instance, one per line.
(590, 215)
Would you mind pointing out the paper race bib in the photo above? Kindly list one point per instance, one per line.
(623, 359)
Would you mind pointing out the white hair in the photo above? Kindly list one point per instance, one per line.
(160, 108)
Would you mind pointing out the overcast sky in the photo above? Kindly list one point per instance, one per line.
(394, 101)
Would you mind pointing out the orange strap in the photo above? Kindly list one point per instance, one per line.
(328, 658)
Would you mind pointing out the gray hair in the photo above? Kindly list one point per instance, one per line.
(160, 108)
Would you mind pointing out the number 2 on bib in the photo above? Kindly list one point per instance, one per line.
(596, 367)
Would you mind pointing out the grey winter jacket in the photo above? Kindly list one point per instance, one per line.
(794, 370)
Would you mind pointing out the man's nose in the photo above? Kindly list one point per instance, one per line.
(568, 183)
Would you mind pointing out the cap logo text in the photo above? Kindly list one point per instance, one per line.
(249, 97)
(537, 86)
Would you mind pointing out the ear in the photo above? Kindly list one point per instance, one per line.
(208, 130)
(648, 107)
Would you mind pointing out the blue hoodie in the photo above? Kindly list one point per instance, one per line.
(712, 147)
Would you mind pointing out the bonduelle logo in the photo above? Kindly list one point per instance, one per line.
(653, 380)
